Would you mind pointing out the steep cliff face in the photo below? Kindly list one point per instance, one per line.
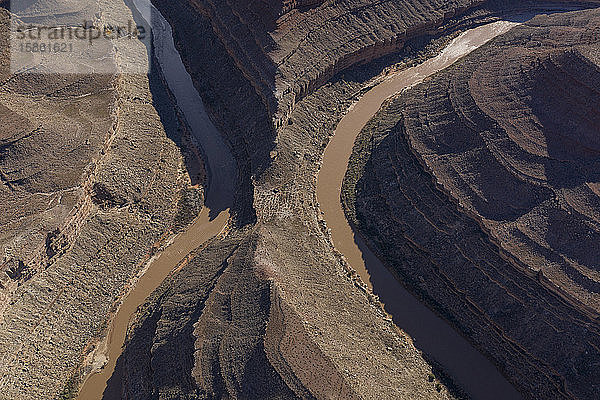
(254, 61)
(289, 53)
(91, 178)
(277, 314)
(288, 49)
(251, 62)
(549, 140)
(479, 187)
(96, 174)
(276, 308)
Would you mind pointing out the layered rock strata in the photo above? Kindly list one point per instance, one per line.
(479, 189)
(278, 309)
(92, 182)
(258, 317)
(132, 192)
(286, 57)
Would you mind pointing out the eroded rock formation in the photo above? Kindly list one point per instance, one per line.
(479, 188)
(267, 309)
(91, 180)
(277, 307)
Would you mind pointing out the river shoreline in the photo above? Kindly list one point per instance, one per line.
(474, 374)
(211, 221)
(337, 202)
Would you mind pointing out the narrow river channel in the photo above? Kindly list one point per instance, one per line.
(471, 370)
(475, 373)
(214, 216)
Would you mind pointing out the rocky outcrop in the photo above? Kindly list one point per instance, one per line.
(91, 180)
(279, 299)
(288, 50)
(255, 329)
(279, 310)
(245, 315)
(478, 189)
(286, 56)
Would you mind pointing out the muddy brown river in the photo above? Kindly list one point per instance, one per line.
(211, 221)
(474, 373)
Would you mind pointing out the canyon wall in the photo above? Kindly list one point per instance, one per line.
(289, 56)
(479, 190)
(261, 315)
(287, 51)
(92, 181)
(280, 298)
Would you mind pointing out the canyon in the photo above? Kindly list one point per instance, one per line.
(94, 181)
(218, 334)
(269, 307)
(485, 176)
